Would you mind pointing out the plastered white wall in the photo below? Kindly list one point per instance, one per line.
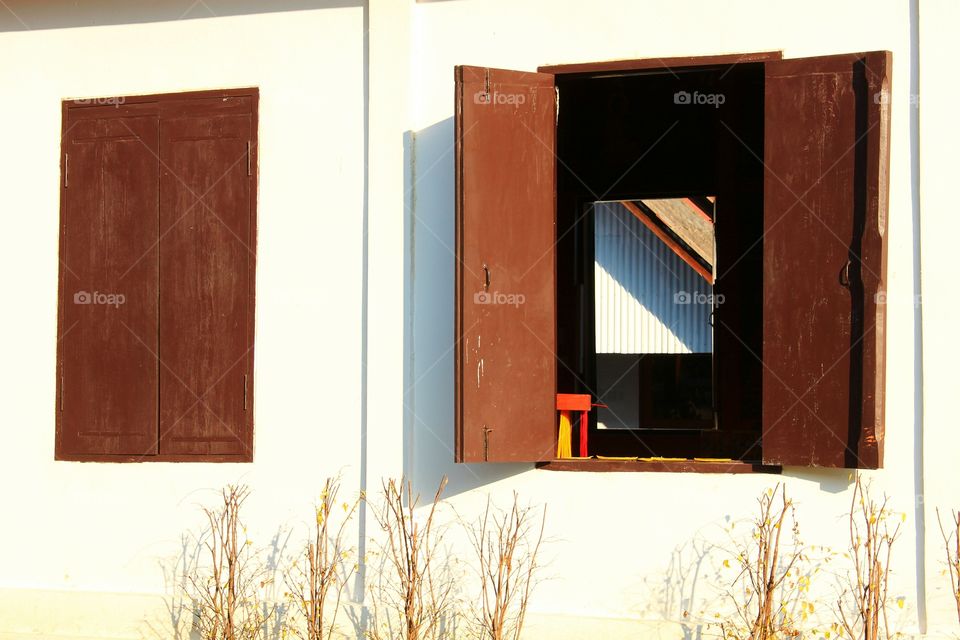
(340, 141)
(620, 530)
(107, 527)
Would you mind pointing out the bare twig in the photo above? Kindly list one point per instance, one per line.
(951, 544)
(767, 587)
(506, 545)
(418, 594)
(862, 606)
(316, 586)
(226, 593)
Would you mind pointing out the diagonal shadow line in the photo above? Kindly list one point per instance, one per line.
(198, 398)
(647, 247)
(586, 186)
(446, 446)
(586, 386)
(799, 399)
(799, 199)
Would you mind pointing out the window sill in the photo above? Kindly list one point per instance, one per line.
(133, 459)
(651, 465)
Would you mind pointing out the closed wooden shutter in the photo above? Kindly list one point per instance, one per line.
(505, 271)
(107, 347)
(206, 278)
(826, 141)
(158, 204)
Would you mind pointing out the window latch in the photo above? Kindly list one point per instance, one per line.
(845, 275)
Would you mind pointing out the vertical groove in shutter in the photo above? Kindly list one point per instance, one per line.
(647, 299)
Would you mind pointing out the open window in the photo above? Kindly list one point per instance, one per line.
(697, 244)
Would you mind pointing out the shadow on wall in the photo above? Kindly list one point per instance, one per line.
(428, 316)
(29, 15)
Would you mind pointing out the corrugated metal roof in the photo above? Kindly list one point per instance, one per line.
(647, 299)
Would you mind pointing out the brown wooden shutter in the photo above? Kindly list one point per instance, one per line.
(826, 140)
(505, 272)
(107, 342)
(206, 277)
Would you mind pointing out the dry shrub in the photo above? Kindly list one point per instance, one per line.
(507, 544)
(862, 606)
(414, 589)
(768, 589)
(226, 593)
(317, 579)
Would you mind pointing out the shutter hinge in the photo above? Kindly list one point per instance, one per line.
(486, 82)
(66, 170)
(244, 392)
(61, 392)
(249, 160)
(486, 443)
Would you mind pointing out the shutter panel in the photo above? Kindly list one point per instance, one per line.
(206, 278)
(107, 344)
(826, 150)
(505, 273)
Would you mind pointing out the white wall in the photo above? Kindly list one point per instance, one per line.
(656, 515)
(82, 531)
(109, 527)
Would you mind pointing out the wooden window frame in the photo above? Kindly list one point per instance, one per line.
(162, 102)
(806, 440)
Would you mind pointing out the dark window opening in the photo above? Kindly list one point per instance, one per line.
(659, 308)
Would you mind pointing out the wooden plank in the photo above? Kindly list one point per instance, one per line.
(206, 280)
(660, 63)
(505, 281)
(826, 157)
(107, 336)
(658, 466)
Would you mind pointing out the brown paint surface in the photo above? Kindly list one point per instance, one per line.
(826, 159)
(205, 252)
(158, 204)
(506, 189)
(107, 382)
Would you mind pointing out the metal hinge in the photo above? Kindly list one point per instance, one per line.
(66, 170)
(244, 392)
(61, 392)
(486, 443)
(249, 160)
